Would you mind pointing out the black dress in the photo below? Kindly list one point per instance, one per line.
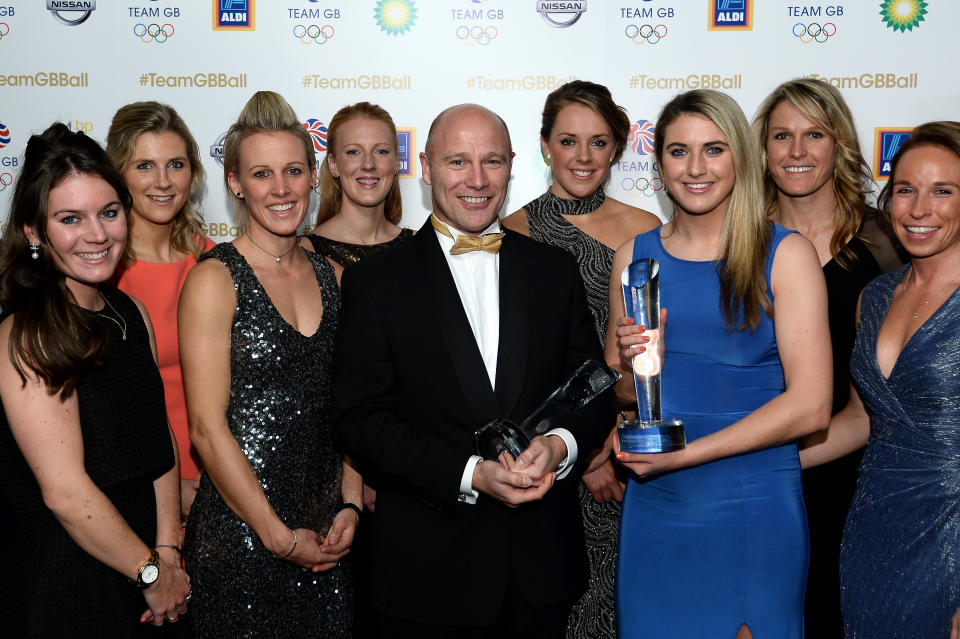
(50, 587)
(593, 616)
(344, 253)
(828, 489)
(279, 414)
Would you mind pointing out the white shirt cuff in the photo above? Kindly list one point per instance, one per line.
(467, 494)
(567, 464)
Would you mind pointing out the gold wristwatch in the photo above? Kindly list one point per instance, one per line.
(149, 571)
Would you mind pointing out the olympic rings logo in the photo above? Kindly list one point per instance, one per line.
(646, 33)
(479, 35)
(814, 31)
(5, 180)
(313, 33)
(4, 29)
(153, 32)
(643, 185)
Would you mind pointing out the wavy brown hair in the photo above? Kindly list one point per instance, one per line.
(331, 195)
(129, 123)
(822, 104)
(594, 96)
(745, 236)
(51, 338)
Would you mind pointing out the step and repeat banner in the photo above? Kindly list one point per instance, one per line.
(77, 61)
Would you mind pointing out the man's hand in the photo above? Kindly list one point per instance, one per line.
(510, 487)
(540, 459)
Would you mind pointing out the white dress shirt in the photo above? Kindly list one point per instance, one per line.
(477, 277)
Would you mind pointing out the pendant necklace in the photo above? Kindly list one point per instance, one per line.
(123, 327)
(276, 257)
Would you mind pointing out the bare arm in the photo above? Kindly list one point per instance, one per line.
(849, 431)
(47, 431)
(803, 339)
(205, 315)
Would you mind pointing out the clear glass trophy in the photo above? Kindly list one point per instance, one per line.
(500, 435)
(648, 433)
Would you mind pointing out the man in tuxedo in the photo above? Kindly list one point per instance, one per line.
(462, 324)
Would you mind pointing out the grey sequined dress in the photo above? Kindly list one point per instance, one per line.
(900, 559)
(593, 616)
(279, 414)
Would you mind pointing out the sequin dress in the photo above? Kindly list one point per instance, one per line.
(279, 413)
(593, 616)
(900, 560)
(344, 253)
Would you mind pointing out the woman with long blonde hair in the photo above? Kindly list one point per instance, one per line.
(746, 366)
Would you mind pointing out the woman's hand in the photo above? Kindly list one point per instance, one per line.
(604, 484)
(339, 539)
(955, 625)
(167, 598)
(650, 464)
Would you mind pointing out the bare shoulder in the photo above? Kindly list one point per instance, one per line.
(209, 282)
(517, 221)
(633, 219)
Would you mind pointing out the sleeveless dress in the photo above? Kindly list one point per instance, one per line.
(593, 616)
(279, 413)
(157, 285)
(50, 587)
(900, 561)
(344, 253)
(828, 489)
(706, 549)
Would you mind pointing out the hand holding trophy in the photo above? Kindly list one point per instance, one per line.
(648, 433)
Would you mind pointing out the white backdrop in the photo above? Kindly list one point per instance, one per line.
(895, 62)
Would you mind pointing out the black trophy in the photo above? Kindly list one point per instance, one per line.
(648, 433)
(501, 436)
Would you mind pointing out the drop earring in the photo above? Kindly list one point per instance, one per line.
(35, 250)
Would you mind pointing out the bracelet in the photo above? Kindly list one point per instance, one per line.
(345, 505)
(292, 548)
(170, 546)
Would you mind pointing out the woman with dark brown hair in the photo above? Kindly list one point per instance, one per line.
(87, 459)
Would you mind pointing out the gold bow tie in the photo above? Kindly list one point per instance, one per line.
(464, 243)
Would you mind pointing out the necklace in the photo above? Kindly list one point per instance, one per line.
(563, 206)
(276, 257)
(123, 327)
(915, 316)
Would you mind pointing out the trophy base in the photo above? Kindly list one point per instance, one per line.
(651, 437)
(497, 437)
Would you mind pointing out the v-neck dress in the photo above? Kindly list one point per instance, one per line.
(279, 413)
(900, 559)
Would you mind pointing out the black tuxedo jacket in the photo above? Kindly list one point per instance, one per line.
(410, 388)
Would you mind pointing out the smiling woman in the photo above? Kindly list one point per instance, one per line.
(275, 498)
(153, 149)
(721, 522)
(816, 182)
(87, 461)
(360, 206)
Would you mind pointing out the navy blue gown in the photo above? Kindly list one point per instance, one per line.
(704, 550)
(900, 559)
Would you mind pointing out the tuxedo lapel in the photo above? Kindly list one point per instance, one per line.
(514, 324)
(455, 328)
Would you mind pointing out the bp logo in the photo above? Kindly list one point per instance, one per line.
(903, 15)
(395, 16)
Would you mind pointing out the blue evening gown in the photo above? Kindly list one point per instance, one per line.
(900, 560)
(706, 549)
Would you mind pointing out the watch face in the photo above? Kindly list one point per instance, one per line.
(150, 573)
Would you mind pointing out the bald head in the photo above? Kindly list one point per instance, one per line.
(449, 117)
